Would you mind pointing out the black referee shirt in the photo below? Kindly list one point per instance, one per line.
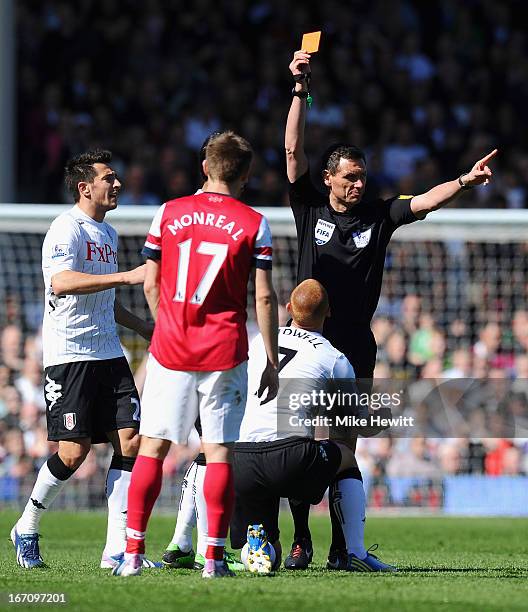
(345, 251)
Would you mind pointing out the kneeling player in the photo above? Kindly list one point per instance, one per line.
(276, 455)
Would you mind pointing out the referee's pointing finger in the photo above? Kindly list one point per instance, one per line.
(488, 157)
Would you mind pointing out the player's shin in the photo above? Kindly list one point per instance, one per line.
(201, 512)
(347, 497)
(219, 496)
(117, 484)
(145, 486)
(51, 478)
(338, 539)
(300, 513)
(186, 520)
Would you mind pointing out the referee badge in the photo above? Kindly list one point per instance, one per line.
(361, 239)
(70, 420)
(323, 231)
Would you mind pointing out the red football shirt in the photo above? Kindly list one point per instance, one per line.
(207, 244)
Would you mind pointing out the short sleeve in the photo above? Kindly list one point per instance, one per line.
(304, 194)
(152, 246)
(60, 248)
(262, 252)
(400, 212)
(343, 368)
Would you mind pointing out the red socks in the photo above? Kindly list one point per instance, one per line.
(143, 492)
(219, 493)
(145, 487)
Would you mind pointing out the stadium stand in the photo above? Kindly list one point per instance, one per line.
(387, 78)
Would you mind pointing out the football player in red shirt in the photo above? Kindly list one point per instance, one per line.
(200, 251)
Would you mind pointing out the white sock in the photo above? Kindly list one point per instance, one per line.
(186, 519)
(348, 497)
(216, 542)
(201, 511)
(46, 489)
(117, 483)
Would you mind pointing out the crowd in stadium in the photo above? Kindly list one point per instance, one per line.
(387, 78)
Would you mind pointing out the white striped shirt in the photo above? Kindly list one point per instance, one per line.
(79, 327)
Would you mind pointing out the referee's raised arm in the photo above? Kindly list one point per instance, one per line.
(296, 160)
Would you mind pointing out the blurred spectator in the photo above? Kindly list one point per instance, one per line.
(488, 343)
(198, 126)
(451, 458)
(29, 384)
(514, 190)
(410, 312)
(396, 355)
(413, 458)
(420, 348)
(460, 366)
(401, 155)
(134, 191)
(499, 457)
(11, 348)
(271, 190)
(178, 185)
(381, 328)
(12, 407)
(520, 330)
(15, 462)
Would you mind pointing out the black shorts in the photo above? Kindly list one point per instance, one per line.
(298, 468)
(86, 399)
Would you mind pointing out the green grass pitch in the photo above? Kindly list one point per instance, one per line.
(461, 564)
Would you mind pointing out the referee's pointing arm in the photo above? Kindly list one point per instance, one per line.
(442, 194)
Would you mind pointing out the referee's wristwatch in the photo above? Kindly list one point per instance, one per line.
(461, 182)
(300, 94)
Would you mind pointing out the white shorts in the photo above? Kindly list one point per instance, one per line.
(173, 399)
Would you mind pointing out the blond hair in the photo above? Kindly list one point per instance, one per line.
(228, 157)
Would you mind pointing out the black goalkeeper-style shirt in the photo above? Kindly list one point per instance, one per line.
(345, 252)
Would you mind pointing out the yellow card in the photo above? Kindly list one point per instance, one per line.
(310, 42)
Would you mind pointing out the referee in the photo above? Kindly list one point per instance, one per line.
(343, 240)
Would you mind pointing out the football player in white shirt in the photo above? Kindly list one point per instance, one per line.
(89, 389)
(277, 455)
